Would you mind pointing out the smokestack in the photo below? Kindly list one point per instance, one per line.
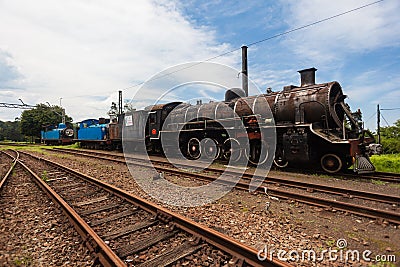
(245, 81)
(120, 103)
(307, 76)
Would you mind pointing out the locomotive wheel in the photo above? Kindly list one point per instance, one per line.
(331, 163)
(193, 148)
(209, 148)
(280, 162)
(231, 149)
(257, 156)
(279, 159)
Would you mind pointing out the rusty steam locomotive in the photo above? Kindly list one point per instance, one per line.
(301, 125)
(311, 125)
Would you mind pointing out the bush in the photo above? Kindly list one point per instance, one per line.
(387, 162)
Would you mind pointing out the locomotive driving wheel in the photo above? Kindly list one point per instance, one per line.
(193, 148)
(331, 163)
(232, 150)
(209, 148)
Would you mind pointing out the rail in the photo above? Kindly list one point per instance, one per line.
(15, 160)
(310, 200)
(243, 253)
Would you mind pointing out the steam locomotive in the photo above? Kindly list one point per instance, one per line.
(313, 126)
(61, 134)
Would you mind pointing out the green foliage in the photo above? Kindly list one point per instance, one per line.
(10, 130)
(386, 163)
(23, 261)
(330, 243)
(42, 115)
(383, 264)
(44, 176)
(73, 146)
(378, 182)
(390, 138)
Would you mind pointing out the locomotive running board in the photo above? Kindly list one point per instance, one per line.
(363, 165)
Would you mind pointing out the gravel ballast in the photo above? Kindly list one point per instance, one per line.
(287, 225)
(33, 230)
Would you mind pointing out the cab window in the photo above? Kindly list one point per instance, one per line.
(153, 118)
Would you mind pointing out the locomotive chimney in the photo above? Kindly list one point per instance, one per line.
(307, 76)
(245, 81)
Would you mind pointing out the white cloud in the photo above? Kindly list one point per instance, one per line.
(76, 49)
(361, 31)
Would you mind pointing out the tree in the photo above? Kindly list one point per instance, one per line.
(390, 138)
(33, 120)
(10, 130)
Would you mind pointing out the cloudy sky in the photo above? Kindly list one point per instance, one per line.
(85, 51)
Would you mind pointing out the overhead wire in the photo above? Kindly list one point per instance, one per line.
(385, 120)
(370, 117)
(390, 109)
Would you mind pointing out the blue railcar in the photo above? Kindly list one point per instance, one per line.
(61, 134)
(93, 133)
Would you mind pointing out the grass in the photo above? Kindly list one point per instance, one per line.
(76, 145)
(330, 243)
(23, 261)
(321, 175)
(44, 176)
(378, 182)
(387, 162)
(30, 147)
(383, 264)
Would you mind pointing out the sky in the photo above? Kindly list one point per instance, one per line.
(80, 53)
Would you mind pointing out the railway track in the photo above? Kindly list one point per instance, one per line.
(12, 166)
(342, 191)
(380, 176)
(127, 230)
(362, 210)
(384, 176)
(33, 231)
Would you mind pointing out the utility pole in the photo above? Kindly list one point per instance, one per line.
(378, 122)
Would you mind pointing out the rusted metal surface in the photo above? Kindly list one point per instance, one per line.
(114, 131)
(299, 105)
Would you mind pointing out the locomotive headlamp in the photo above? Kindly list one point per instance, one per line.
(69, 132)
